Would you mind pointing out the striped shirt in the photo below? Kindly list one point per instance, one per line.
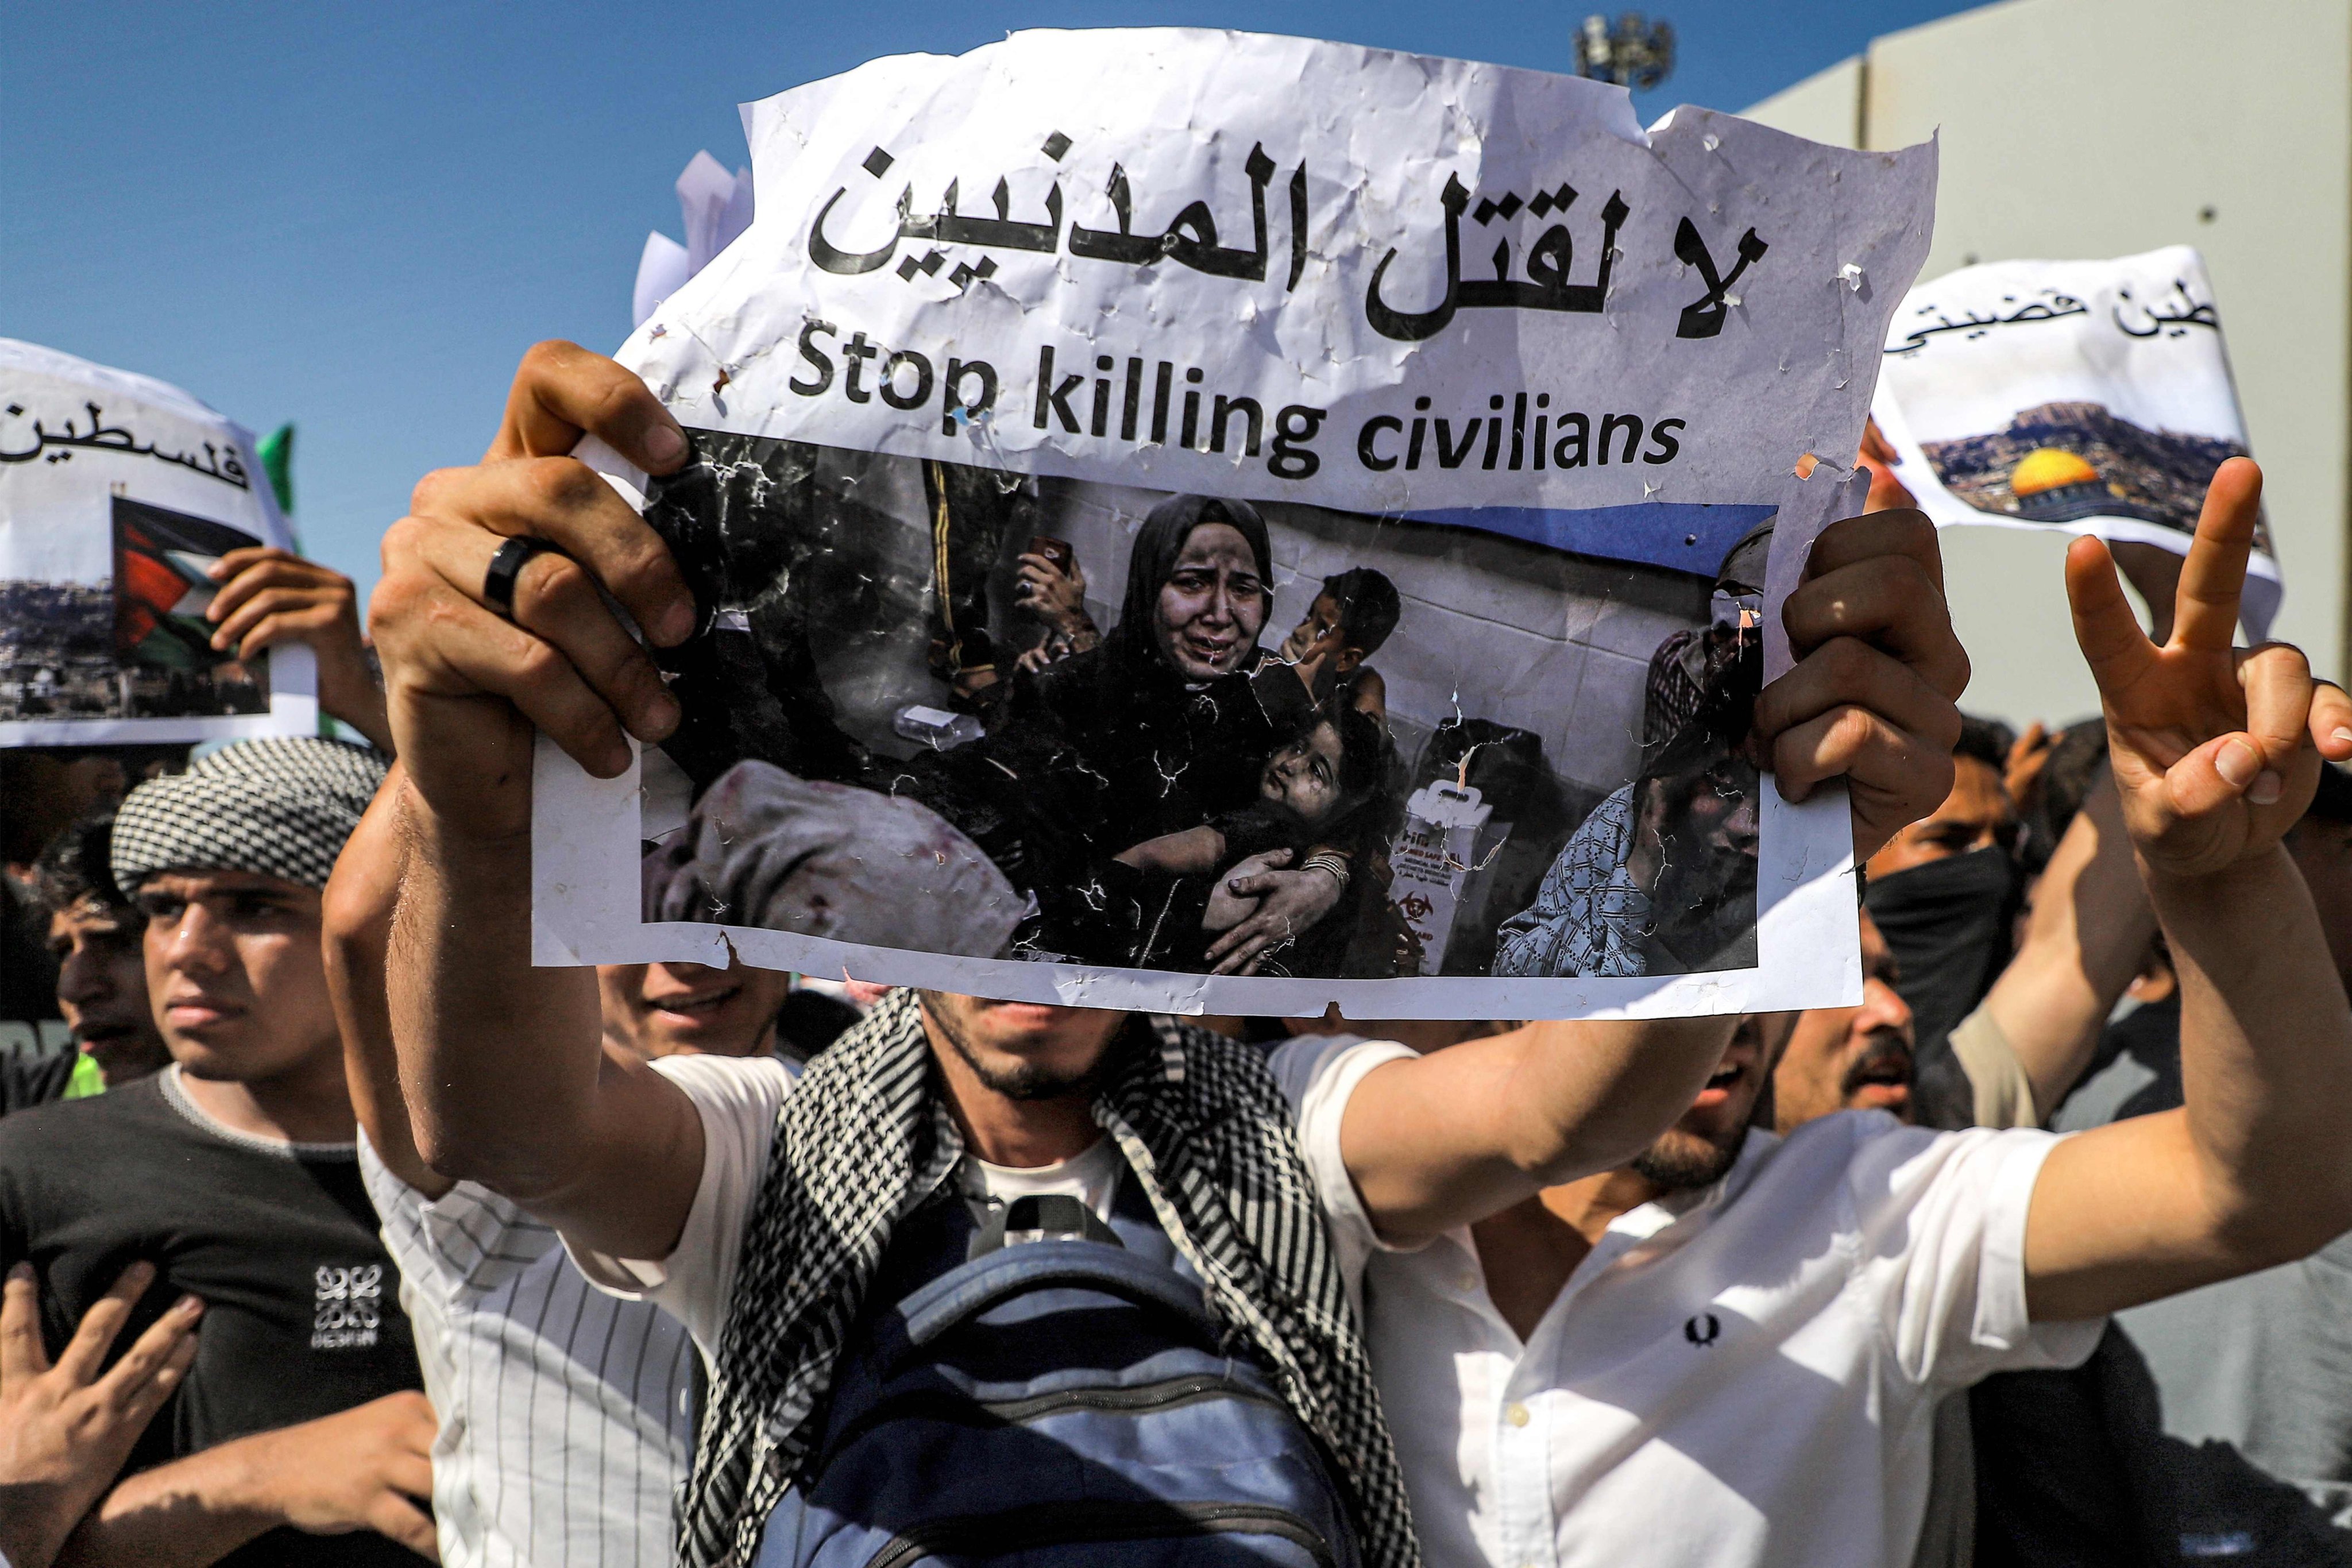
(566, 1415)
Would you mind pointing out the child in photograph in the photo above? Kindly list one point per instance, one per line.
(1317, 795)
(1345, 626)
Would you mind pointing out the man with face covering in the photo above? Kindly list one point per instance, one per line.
(1945, 892)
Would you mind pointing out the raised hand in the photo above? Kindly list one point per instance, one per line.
(466, 684)
(1054, 593)
(2216, 749)
(269, 596)
(65, 1430)
(1871, 699)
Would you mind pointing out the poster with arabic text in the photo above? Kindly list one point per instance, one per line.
(1200, 521)
(2081, 396)
(117, 492)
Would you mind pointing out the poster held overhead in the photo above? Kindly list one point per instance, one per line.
(2086, 396)
(116, 492)
(1228, 521)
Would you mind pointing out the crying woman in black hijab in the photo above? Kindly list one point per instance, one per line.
(1155, 731)
(1199, 583)
(1945, 892)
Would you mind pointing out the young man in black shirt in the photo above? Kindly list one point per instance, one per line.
(298, 1437)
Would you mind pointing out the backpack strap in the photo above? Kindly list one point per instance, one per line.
(971, 1290)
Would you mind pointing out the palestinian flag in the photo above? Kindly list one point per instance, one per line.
(161, 591)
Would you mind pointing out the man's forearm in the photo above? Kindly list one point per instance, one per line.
(1461, 1134)
(1588, 1097)
(2083, 944)
(185, 1514)
(499, 1060)
(361, 898)
(2265, 1055)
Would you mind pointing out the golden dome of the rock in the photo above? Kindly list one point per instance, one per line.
(2050, 469)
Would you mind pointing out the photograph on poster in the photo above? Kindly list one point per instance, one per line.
(1477, 752)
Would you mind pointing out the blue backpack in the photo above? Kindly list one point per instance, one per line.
(1053, 1403)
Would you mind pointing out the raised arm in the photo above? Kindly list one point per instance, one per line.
(1453, 1137)
(2216, 752)
(2083, 944)
(360, 901)
(500, 1061)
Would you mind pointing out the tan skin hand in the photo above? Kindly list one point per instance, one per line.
(1055, 595)
(2216, 749)
(66, 1430)
(472, 683)
(367, 1467)
(2028, 755)
(270, 597)
(1887, 493)
(1231, 902)
(1878, 673)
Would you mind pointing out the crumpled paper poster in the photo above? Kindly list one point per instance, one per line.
(1202, 522)
(2085, 396)
(116, 492)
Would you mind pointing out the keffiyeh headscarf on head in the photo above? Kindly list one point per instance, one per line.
(278, 807)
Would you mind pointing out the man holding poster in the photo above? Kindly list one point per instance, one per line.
(721, 1189)
(803, 1203)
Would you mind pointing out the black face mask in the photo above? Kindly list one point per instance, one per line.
(1947, 924)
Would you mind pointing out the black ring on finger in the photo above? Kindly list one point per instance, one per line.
(506, 568)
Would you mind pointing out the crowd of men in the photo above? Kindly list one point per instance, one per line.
(361, 1239)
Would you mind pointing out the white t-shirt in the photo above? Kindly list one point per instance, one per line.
(738, 1098)
(1747, 1374)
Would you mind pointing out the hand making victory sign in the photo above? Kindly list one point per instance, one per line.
(2216, 748)
(2216, 751)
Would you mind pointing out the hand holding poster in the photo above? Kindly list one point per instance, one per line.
(1265, 521)
(2089, 396)
(116, 493)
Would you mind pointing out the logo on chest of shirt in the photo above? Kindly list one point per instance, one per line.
(350, 1307)
(1703, 1329)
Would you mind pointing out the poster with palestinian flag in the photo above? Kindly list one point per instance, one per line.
(163, 643)
(117, 494)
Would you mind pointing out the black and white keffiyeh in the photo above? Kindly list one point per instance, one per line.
(864, 1139)
(280, 806)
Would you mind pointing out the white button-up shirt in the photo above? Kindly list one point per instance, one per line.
(1744, 1375)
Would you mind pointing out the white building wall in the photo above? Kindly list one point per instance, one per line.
(1826, 107)
(2097, 128)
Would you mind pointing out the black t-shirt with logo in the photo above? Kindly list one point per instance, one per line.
(302, 1312)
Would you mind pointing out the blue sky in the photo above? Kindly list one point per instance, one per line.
(358, 217)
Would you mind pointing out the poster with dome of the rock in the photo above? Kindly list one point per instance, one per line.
(2086, 396)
